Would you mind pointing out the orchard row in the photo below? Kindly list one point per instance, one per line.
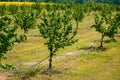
(54, 22)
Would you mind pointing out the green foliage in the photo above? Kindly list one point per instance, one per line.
(7, 66)
(7, 35)
(7, 38)
(48, 7)
(107, 25)
(98, 24)
(3, 10)
(58, 31)
(25, 19)
(88, 7)
(114, 24)
(21, 38)
(118, 19)
(99, 21)
(105, 9)
(13, 9)
(24, 7)
(78, 14)
(37, 8)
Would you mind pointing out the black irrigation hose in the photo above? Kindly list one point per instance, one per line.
(34, 64)
(26, 67)
(22, 69)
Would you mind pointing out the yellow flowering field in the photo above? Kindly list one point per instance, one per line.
(19, 3)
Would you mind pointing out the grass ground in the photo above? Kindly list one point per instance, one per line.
(82, 61)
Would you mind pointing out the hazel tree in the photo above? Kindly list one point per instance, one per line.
(25, 19)
(78, 14)
(98, 26)
(57, 30)
(114, 25)
(7, 38)
(106, 25)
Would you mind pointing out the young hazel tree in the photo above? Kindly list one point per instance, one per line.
(107, 25)
(99, 27)
(78, 14)
(7, 38)
(114, 24)
(57, 30)
(26, 19)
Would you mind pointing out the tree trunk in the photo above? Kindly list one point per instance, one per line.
(101, 44)
(88, 13)
(77, 24)
(50, 60)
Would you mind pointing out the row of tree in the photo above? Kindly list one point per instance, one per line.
(56, 27)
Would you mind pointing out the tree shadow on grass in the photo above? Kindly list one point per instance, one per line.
(93, 48)
(31, 73)
(110, 40)
(51, 71)
(101, 49)
(25, 75)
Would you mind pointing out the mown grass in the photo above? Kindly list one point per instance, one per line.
(86, 61)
